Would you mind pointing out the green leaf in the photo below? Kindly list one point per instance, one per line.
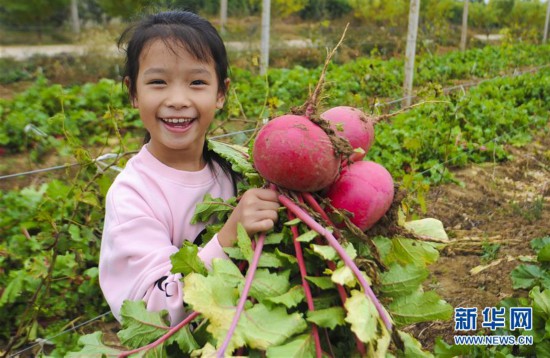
(244, 243)
(274, 238)
(270, 259)
(93, 347)
(308, 236)
(526, 276)
(264, 327)
(413, 348)
(419, 307)
(344, 276)
(87, 197)
(541, 302)
(289, 299)
(213, 206)
(407, 251)
(326, 252)
(328, 317)
(140, 327)
(267, 284)
(323, 282)
(428, 227)
(282, 257)
(302, 346)
(293, 222)
(544, 254)
(234, 154)
(258, 327)
(444, 350)
(538, 243)
(228, 272)
(362, 315)
(186, 260)
(401, 280)
(18, 280)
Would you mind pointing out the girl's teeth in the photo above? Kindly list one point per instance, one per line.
(175, 121)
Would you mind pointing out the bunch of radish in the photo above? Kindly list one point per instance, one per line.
(294, 153)
(302, 154)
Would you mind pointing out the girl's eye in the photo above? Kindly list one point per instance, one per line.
(198, 83)
(156, 82)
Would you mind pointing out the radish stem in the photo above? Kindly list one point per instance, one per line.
(244, 294)
(331, 265)
(305, 285)
(309, 221)
(162, 339)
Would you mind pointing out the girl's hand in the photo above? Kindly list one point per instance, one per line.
(256, 211)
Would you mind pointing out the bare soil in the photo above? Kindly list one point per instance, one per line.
(491, 219)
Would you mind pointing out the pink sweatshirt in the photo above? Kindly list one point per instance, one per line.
(147, 217)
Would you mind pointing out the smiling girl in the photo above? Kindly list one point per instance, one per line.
(177, 77)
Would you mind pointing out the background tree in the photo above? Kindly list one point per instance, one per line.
(123, 8)
(34, 15)
(481, 18)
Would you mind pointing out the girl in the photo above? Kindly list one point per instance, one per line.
(176, 74)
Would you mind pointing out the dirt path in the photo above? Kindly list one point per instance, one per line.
(24, 52)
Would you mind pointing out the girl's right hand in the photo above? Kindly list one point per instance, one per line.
(256, 211)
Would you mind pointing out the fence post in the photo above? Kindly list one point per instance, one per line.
(266, 15)
(545, 36)
(464, 35)
(223, 16)
(414, 11)
(75, 19)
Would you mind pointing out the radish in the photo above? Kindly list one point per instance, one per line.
(366, 190)
(353, 125)
(293, 152)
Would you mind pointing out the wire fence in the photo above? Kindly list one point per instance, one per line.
(101, 162)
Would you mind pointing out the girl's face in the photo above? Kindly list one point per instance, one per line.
(177, 97)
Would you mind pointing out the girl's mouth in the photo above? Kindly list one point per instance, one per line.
(177, 124)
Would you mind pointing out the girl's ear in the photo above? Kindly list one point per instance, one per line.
(132, 98)
(221, 95)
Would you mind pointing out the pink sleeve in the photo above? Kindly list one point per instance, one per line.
(212, 250)
(135, 264)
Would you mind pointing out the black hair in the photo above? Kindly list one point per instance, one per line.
(198, 37)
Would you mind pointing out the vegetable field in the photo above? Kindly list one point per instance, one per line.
(468, 226)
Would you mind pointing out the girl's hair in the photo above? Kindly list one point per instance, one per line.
(197, 36)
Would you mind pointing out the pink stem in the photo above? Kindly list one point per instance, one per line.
(305, 285)
(244, 294)
(309, 221)
(331, 265)
(162, 339)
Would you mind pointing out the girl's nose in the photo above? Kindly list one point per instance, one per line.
(178, 98)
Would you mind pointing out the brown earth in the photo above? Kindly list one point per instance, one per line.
(491, 219)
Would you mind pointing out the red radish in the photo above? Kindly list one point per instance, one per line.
(353, 125)
(293, 152)
(366, 190)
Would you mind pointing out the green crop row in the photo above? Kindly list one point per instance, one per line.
(35, 118)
